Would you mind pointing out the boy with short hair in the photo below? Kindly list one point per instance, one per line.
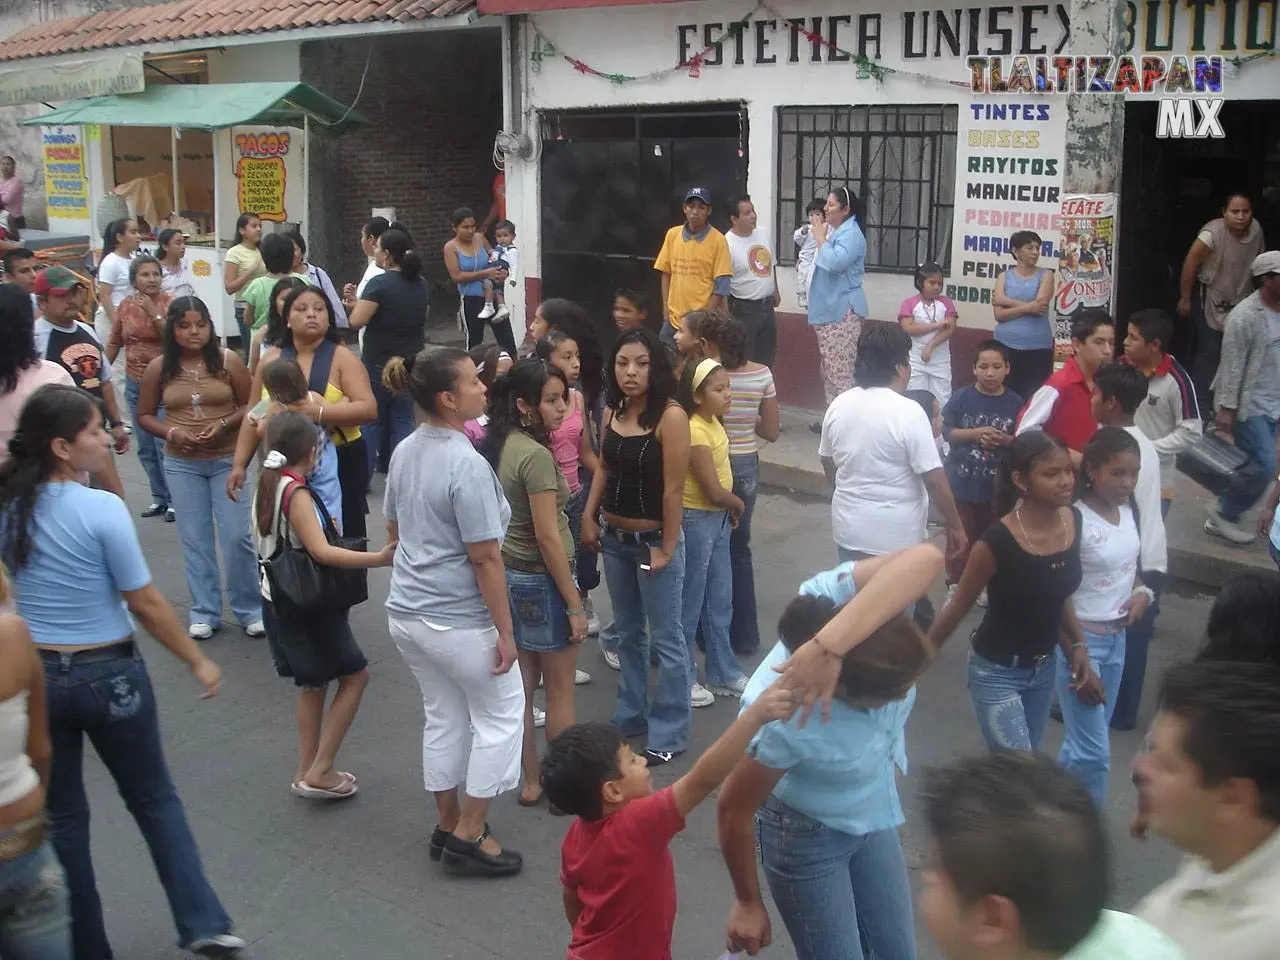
(978, 424)
(1062, 406)
(1213, 789)
(1019, 867)
(615, 866)
(630, 309)
(505, 255)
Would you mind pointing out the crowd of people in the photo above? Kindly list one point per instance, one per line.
(517, 472)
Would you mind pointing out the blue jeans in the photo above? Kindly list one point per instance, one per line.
(637, 596)
(1128, 698)
(395, 418)
(1012, 703)
(150, 447)
(744, 630)
(113, 703)
(708, 592)
(35, 916)
(1256, 436)
(202, 504)
(835, 891)
(1086, 748)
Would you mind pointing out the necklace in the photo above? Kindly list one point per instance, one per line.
(1017, 515)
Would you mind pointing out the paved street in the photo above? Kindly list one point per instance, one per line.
(353, 880)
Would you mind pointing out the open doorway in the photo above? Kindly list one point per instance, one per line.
(1170, 188)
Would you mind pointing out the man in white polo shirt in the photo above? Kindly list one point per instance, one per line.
(1212, 783)
(753, 290)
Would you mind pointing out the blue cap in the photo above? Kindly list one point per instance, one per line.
(698, 193)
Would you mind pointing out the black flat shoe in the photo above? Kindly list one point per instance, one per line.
(466, 857)
(438, 837)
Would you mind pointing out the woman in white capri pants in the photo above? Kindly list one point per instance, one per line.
(448, 610)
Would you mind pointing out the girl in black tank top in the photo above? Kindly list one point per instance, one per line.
(633, 514)
(1029, 564)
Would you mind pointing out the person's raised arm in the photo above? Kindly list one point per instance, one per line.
(673, 431)
(744, 792)
(1191, 265)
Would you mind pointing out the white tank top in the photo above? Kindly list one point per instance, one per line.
(17, 777)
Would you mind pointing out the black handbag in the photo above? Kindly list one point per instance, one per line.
(299, 583)
(1216, 465)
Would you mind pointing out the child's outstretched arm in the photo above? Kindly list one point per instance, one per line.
(303, 519)
(712, 767)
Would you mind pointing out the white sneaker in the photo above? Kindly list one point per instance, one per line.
(700, 696)
(200, 631)
(502, 313)
(734, 688)
(1219, 526)
(539, 717)
(580, 677)
(487, 312)
(612, 660)
(982, 597)
(255, 629)
(219, 945)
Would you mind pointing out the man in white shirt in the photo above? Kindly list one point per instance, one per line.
(1212, 785)
(879, 455)
(753, 290)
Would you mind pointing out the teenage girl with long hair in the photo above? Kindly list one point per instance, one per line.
(526, 407)
(313, 650)
(634, 514)
(119, 243)
(1029, 564)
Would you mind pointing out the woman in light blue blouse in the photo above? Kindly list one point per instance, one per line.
(837, 303)
(824, 794)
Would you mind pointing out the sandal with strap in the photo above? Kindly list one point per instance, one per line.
(465, 857)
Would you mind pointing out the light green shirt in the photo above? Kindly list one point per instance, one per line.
(257, 294)
(1122, 936)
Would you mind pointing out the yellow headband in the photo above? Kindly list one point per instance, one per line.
(703, 370)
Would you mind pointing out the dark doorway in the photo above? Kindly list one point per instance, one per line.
(1170, 188)
(612, 185)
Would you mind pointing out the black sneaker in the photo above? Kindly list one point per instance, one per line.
(155, 510)
(657, 758)
(169, 515)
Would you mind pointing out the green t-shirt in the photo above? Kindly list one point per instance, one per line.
(257, 293)
(527, 467)
(1122, 936)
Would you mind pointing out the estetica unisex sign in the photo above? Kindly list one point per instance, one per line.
(1040, 29)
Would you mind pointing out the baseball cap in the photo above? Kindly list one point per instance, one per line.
(698, 193)
(1265, 263)
(56, 282)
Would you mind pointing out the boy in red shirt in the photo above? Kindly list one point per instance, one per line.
(615, 866)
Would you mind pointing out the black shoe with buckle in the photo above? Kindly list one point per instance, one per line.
(466, 857)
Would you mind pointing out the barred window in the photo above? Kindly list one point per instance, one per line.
(901, 160)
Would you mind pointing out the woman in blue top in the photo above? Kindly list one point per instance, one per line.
(837, 302)
(824, 794)
(1021, 305)
(76, 590)
(466, 257)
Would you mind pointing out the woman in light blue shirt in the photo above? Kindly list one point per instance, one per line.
(837, 302)
(824, 794)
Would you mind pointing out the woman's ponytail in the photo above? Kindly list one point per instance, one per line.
(395, 375)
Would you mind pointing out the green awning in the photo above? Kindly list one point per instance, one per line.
(210, 106)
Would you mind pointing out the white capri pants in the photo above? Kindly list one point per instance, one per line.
(474, 721)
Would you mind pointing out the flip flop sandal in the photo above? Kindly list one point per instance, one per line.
(305, 790)
(349, 777)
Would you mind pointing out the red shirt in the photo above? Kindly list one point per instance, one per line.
(1071, 398)
(620, 868)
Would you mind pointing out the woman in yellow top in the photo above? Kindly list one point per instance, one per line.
(334, 373)
(242, 265)
(711, 511)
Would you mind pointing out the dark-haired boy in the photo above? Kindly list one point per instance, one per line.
(630, 310)
(978, 424)
(1062, 407)
(615, 863)
(1213, 789)
(1019, 867)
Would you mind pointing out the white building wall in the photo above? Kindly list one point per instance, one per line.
(638, 40)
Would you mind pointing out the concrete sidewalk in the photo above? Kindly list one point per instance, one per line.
(1194, 556)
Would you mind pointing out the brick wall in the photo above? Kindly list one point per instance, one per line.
(435, 100)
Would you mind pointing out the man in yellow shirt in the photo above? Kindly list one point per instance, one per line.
(695, 264)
